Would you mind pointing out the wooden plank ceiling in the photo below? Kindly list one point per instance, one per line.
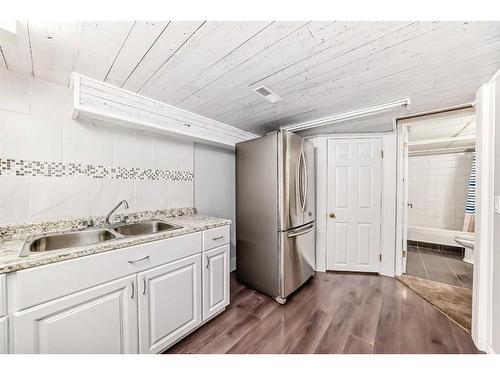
(318, 68)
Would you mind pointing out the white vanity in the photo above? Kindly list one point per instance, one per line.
(137, 299)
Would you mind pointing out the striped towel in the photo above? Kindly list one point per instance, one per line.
(470, 204)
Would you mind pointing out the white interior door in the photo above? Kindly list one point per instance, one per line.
(405, 197)
(354, 204)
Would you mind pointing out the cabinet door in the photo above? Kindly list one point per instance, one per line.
(215, 281)
(3, 295)
(169, 303)
(3, 335)
(102, 319)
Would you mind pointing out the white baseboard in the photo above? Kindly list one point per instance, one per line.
(232, 264)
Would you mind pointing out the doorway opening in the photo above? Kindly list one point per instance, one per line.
(439, 209)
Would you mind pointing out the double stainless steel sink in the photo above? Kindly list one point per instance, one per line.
(93, 236)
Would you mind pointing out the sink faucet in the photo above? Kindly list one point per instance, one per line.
(124, 202)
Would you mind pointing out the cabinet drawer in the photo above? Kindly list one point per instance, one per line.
(3, 295)
(41, 284)
(216, 237)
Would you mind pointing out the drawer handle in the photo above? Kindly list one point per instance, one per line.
(138, 260)
(217, 238)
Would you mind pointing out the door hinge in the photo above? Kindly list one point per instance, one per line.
(404, 253)
(382, 154)
(380, 257)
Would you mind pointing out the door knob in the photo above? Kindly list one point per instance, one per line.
(332, 215)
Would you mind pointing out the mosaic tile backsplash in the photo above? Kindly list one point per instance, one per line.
(11, 167)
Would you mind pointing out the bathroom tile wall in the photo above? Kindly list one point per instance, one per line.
(437, 188)
(36, 125)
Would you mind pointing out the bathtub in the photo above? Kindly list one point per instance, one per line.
(438, 236)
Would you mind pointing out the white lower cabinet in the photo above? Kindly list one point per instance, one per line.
(169, 303)
(4, 335)
(215, 281)
(102, 319)
(161, 291)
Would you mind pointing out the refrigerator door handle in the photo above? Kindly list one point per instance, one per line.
(301, 231)
(301, 184)
(298, 189)
(306, 177)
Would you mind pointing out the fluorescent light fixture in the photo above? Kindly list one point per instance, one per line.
(9, 26)
(359, 113)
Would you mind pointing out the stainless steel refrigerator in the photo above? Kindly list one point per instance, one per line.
(275, 213)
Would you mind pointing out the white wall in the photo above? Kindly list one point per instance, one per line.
(215, 185)
(388, 222)
(36, 124)
(437, 188)
(496, 223)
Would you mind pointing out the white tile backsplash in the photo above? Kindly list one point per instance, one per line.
(105, 193)
(164, 153)
(151, 195)
(30, 138)
(49, 100)
(87, 144)
(14, 205)
(437, 188)
(133, 149)
(59, 197)
(182, 191)
(36, 124)
(172, 154)
(187, 156)
(14, 92)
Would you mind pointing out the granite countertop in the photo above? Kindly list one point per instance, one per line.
(10, 247)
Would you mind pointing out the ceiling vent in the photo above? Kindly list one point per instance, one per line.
(267, 94)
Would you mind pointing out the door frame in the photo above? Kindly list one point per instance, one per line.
(485, 148)
(483, 253)
(388, 219)
(401, 184)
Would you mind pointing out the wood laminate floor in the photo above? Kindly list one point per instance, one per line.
(332, 313)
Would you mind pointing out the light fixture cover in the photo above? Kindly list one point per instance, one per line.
(356, 114)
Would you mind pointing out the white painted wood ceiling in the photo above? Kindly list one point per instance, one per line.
(318, 68)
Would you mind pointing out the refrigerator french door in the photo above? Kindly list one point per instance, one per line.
(275, 213)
